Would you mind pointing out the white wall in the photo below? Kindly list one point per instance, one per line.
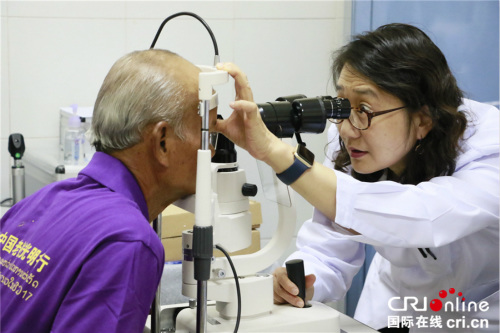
(56, 53)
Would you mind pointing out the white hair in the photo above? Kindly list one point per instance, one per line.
(139, 90)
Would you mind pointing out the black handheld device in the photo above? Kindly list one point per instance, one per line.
(295, 271)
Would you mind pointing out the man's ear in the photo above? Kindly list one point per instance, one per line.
(159, 142)
(423, 121)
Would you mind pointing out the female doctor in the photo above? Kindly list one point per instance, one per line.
(414, 171)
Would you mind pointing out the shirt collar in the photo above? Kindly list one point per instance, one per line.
(113, 174)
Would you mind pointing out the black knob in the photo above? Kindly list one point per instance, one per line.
(249, 190)
(295, 271)
(16, 146)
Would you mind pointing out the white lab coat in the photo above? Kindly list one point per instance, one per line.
(456, 216)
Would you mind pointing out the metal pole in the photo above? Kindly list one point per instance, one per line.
(205, 124)
(155, 307)
(201, 309)
(201, 313)
(18, 187)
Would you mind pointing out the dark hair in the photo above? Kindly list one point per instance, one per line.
(403, 61)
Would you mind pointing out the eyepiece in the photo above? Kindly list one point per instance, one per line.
(299, 114)
(337, 107)
(311, 113)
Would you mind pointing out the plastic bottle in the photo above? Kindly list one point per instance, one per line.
(85, 148)
(72, 139)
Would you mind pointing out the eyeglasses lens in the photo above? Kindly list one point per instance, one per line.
(357, 118)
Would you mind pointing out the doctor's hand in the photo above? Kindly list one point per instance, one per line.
(245, 126)
(241, 83)
(285, 291)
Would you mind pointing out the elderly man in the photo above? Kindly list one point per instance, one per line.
(80, 255)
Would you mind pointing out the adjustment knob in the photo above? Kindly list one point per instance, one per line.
(249, 190)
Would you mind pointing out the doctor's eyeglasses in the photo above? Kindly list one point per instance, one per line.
(361, 118)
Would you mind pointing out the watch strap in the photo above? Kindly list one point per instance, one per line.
(293, 173)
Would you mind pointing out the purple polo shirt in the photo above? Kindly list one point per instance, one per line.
(80, 255)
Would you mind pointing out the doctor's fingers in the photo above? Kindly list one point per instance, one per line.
(253, 133)
(293, 300)
(249, 111)
(284, 289)
(310, 279)
(280, 278)
(246, 129)
(241, 83)
(282, 296)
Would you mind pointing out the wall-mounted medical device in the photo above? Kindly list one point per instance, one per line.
(16, 150)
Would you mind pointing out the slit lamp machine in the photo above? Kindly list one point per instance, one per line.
(243, 297)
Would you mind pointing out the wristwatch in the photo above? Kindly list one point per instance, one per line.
(303, 161)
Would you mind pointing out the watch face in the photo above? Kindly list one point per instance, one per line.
(305, 154)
